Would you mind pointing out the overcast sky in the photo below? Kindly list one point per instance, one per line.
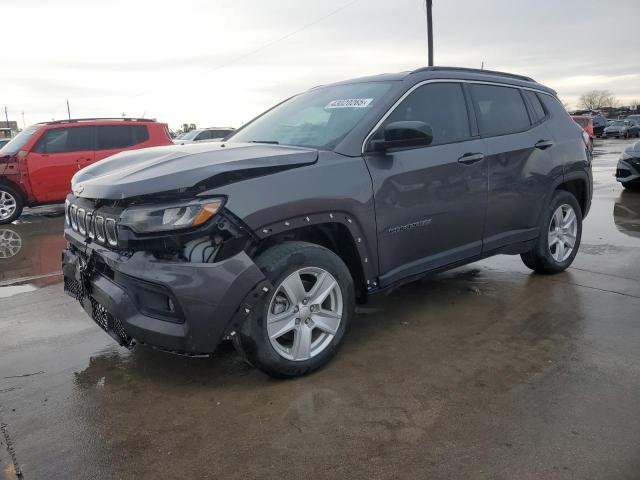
(219, 63)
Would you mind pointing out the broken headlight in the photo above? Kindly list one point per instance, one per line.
(168, 217)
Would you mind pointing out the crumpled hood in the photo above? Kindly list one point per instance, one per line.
(161, 169)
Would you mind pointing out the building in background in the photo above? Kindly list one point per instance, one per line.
(8, 130)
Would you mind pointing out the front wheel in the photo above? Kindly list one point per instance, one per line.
(299, 326)
(11, 204)
(560, 234)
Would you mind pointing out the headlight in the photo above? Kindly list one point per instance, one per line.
(176, 216)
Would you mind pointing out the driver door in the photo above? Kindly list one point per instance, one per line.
(55, 158)
(430, 201)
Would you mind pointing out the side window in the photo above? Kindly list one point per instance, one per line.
(140, 134)
(219, 133)
(206, 135)
(61, 140)
(534, 101)
(121, 136)
(500, 110)
(440, 105)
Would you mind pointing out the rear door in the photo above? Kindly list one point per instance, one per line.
(111, 139)
(518, 145)
(430, 201)
(57, 155)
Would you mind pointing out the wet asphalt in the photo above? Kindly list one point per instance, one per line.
(485, 372)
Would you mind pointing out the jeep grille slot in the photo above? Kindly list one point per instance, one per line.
(92, 223)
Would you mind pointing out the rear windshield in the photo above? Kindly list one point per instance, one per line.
(19, 141)
(583, 122)
(618, 123)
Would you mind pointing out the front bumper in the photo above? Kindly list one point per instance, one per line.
(613, 133)
(627, 173)
(177, 306)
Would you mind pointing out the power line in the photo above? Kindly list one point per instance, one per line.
(284, 37)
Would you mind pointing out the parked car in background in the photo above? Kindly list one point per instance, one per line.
(622, 129)
(36, 166)
(599, 124)
(270, 238)
(635, 118)
(628, 169)
(586, 122)
(203, 135)
(4, 141)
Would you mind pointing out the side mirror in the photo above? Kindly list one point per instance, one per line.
(406, 134)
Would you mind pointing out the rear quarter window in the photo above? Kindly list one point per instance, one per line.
(536, 105)
(120, 136)
(500, 110)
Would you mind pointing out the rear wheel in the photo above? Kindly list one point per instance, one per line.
(300, 325)
(560, 234)
(11, 204)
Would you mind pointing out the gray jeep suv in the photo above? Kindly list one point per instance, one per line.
(271, 237)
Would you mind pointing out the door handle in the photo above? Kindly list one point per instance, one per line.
(469, 158)
(542, 144)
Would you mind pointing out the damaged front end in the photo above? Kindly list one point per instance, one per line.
(163, 270)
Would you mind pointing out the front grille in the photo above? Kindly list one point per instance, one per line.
(95, 224)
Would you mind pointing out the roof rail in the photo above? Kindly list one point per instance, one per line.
(127, 119)
(475, 70)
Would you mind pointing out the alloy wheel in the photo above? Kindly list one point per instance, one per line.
(10, 243)
(304, 314)
(8, 205)
(563, 230)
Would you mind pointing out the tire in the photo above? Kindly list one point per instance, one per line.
(11, 203)
(542, 258)
(256, 339)
(631, 186)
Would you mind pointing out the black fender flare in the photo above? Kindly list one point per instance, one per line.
(367, 253)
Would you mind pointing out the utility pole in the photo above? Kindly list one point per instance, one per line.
(24, 124)
(430, 31)
(68, 110)
(6, 117)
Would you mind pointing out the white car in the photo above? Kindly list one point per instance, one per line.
(203, 135)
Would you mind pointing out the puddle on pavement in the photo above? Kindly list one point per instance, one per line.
(30, 249)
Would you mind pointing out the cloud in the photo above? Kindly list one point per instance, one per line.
(204, 62)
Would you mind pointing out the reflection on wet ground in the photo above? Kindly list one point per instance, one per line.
(626, 213)
(486, 371)
(30, 250)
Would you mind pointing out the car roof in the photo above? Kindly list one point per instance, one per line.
(100, 120)
(461, 73)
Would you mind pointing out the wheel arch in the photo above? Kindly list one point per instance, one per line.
(17, 187)
(577, 184)
(336, 231)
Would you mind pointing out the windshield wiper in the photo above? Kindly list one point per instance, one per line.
(271, 142)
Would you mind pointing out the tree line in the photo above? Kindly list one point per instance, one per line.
(597, 99)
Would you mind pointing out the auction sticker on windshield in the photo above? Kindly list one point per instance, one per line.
(349, 103)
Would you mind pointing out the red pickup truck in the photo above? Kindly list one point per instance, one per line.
(37, 165)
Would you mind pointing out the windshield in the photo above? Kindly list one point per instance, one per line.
(319, 118)
(618, 123)
(583, 122)
(18, 141)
